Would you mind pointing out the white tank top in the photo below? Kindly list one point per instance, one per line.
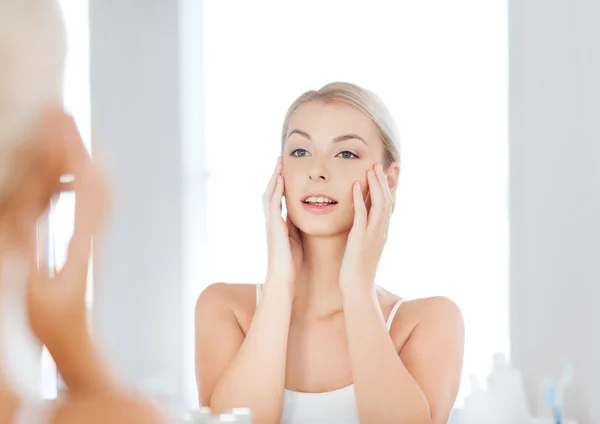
(336, 406)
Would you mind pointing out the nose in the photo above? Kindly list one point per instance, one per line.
(318, 173)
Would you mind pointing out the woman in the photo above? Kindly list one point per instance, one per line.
(319, 341)
(55, 306)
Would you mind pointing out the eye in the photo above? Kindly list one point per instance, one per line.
(347, 155)
(299, 153)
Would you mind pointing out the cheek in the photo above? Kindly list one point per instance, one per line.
(351, 170)
(347, 174)
(292, 181)
(360, 176)
(292, 166)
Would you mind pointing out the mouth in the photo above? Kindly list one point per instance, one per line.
(319, 203)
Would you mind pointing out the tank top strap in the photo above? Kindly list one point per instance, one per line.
(390, 319)
(258, 292)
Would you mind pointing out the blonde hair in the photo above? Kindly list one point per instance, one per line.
(32, 59)
(360, 98)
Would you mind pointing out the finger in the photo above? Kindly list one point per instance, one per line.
(91, 198)
(376, 196)
(385, 187)
(292, 229)
(360, 209)
(79, 250)
(75, 269)
(268, 193)
(69, 147)
(90, 203)
(276, 199)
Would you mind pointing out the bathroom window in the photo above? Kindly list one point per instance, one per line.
(56, 229)
(441, 68)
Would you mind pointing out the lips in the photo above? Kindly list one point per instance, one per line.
(319, 199)
(319, 203)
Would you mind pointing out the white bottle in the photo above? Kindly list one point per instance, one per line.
(234, 416)
(480, 406)
(243, 415)
(198, 416)
(228, 418)
(506, 385)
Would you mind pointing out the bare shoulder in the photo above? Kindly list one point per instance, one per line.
(426, 308)
(436, 319)
(226, 300)
(438, 309)
(221, 294)
(434, 314)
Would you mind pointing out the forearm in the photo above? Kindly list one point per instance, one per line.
(385, 390)
(256, 376)
(119, 408)
(91, 409)
(82, 366)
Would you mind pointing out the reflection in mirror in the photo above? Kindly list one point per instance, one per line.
(198, 304)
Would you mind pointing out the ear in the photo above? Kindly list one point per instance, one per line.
(393, 175)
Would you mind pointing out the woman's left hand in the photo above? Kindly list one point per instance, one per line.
(368, 234)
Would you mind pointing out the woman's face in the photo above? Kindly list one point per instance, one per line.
(328, 148)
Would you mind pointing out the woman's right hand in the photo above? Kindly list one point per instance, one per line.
(56, 303)
(283, 239)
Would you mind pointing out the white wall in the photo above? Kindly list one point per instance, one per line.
(448, 91)
(145, 72)
(555, 193)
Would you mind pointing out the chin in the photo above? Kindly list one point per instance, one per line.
(322, 225)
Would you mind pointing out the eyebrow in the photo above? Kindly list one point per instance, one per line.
(338, 139)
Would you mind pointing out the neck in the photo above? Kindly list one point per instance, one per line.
(317, 290)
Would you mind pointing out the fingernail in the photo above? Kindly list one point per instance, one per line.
(380, 166)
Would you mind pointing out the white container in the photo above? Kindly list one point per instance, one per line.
(198, 416)
(480, 406)
(243, 415)
(506, 386)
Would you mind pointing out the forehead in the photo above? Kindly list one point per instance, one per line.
(330, 120)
